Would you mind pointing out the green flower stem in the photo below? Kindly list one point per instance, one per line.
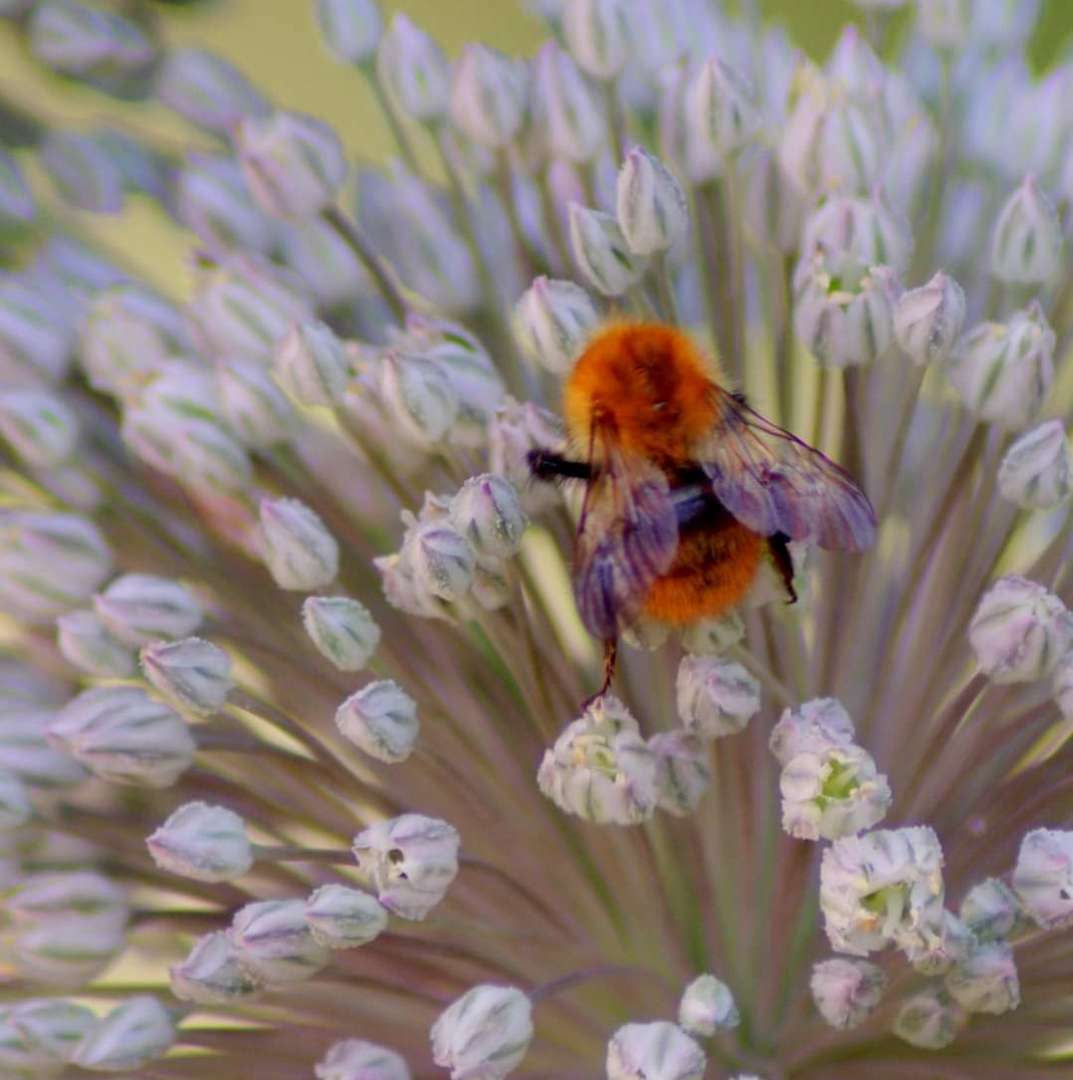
(378, 270)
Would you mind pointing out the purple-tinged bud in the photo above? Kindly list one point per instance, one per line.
(273, 941)
(83, 172)
(16, 199)
(565, 103)
(944, 23)
(25, 751)
(207, 90)
(484, 1034)
(342, 918)
(552, 320)
(414, 70)
(142, 608)
(74, 39)
(92, 899)
(350, 29)
(1026, 247)
(722, 117)
(682, 771)
(488, 96)
(381, 719)
(855, 233)
(929, 1020)
(1004, 22)
(846, 991)
(60, 952)
(85, 642)
(134, 1033)
(299, 551)
(515, 430)
(487, 512)
(443, 560)
(597, 35)
(321, 258)
(38, 426)
(193, 674)
(342, 629)
(206, 843)
(15, 806)
(418, 397)
(990, 910)
(985, 981)
(41, 1033)
(214, 201)
(411, 861)
(715, 697)
(257, 411)
(293, 163)
(601, 251)
(311, 364)
(651, 206)
(811, 729)
(1043, 877)
(212, 974)
(356, 1059)
(928, 320)
(35, 340)
(707, 1006)
(655, 1051)
(1037, 470)
(850, 154)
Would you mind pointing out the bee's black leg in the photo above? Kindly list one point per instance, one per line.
(547, 465)
(780, 551)
(610, 654)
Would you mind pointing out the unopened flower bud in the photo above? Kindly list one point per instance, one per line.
(721, 114)
(65, 952)
(310, 364)
(601, 251)
(552, 320)
(484, 1034)
(140, 608)
(1037, 470)
(42, 1032)
(600, 768)
(443, 561)
(566, 103)
(16, 199)
(212, 973)
(411, 861)
(351, 29)
(15, 806)
(715, 697)
(990, 910)
(192, 673)
(486, 511)
(928, 320)
(1003, 371)
(35, 346)
(515, 430)
(38, 426)
(1043, 877)
(1019, 631)
(255, 408)
(682, 770)
(488, 96)
(342, 629)
(135, 1032)
(89, 898)
(650, 204)
(207, 90)
(207, 843)
(381, 719)
(940, 941)
(299, 551)
(414, 69)
(597, 35)
(710, 637)
(944, 23)
(856, 233)
(356, 1059)
(83, 172)
(656, 1051)
(707, 1006)
(85, 641)
(985, 981)
(343, 918)
(929, 1020)
(418, 397)
(846, 991)
(25, 750)
(199, 453)
(214, 201)
(275, 944)
(1026, 248)
(124, 736)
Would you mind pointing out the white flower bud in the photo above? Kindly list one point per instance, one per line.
(60, 952)
(1003, 371)
(849, 153)
(213, 200)
(415, 71)
(486, 511)
(310, 364)
(985, 981)
(488, 96)
(16, 199)
(990, 910)
(846, 991)
(944, 23)
(124, 736)
(831, 793)
(855, 233)
(15, 806)
(567, 106)
(1062, 685)
(206, 90)
(411, 861)
(356, 1059)
(682, 771)
(41, 1033)
(192, 673)
(418, 397)
(721, 116)
(83, 172)
(711, 637)
(293, 163)
(707, 1006)
(929, 1020)
(928, 320)
(212, 974)
(443, 561)
(1043, 877)
(655, 1051)
(275, 944)
(650, 204)
(342, 629)
(811, 728)
(342, 918)
(38, 426)
(255, 408)
(381, 719)
(299, 551)
(1019, 631)
(715, 697)
(484, 1034)
(1026, 248)
(135, 1032)
(83, 897)
(207, 843)
(35, 345)
(141, 608)
(25, 751)
(351, 29)
(1037, 470)
(551, 322)
(600, 768)
(84, 641)
(601, 251)
(597, 35)
(515, 430)
(942, 941)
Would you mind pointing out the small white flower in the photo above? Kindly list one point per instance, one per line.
(351, 29)
(928, 320)
(488, 96)
(86, 642)
(650, 204)
(15, 806)
(1043, 877)
(567, 107)
(485, 1034)
(552, 320)
(356, 1059)
(273, 941)
(721, 114)
(442, 559)
(942, 940)
(929, 1020)
(141, 608)
(135, 1032)
(597, 34)
(602, 253)
(38, 426)
(342, 629)
(811, 728)
(299, 551)
(212, 973)
(1037, 470)
(311, 364)
(414, 69)
(985, 981)
(655, 1051)
(990, 909)
(192, 673)
(207, 843)
(682, 770)
(381, 719)
(715, 697)
(846, 991)
(1026, 248)
(706, 1007)
(343, 918)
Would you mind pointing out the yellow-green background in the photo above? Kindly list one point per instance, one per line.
(275, 42)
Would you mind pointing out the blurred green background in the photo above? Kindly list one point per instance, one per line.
(275, 42)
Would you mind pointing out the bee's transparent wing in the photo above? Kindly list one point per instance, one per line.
(627, 537)
(772, 482)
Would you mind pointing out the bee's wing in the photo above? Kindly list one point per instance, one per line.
(627, 536)
(772, 482)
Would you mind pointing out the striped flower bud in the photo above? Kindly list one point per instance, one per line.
(488, 96)
(715, 697)
(485, 1033)
(706, 1007)
(487, 512)
(846, 991)
(443, 560)
(990, 910)
(311, 364)
(38, 426)
(35, 345)
(141, 608)
(985, 981)
(273, 941)
(214, 201)
(650, 204)
(411, 861)
(254, 407)
(41, 1033)
(941, 941)
(26, 752)
(381, 719)
(567, 106)
(16, 200)
(552, 320)
(1062, 685)
(413, 68)
(74, 39)
(192, 673)
(722, 116)
(83, 172)
(928, 320)
(601, 251)
(89, 898)
(356, 1059)
(86, 642)
(1026, 247)
(1037, 470)
(15, 806)
(655, 1051)
(342, 918)
(342, 629)
(351, 29)
(64, 952)
(206, 843)
(943, 23)
(212, 973)
(855, 233)
(299, 551)
(418, 397)
(597, 35)
(929, 1020)
(135, 1032)
(1043, 877)
(1019, 631)
(682, 771)
(207, 90)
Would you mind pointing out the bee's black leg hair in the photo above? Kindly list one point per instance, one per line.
(781, 553)
(547, 465)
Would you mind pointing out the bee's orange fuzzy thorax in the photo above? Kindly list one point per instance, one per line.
(648, 386)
